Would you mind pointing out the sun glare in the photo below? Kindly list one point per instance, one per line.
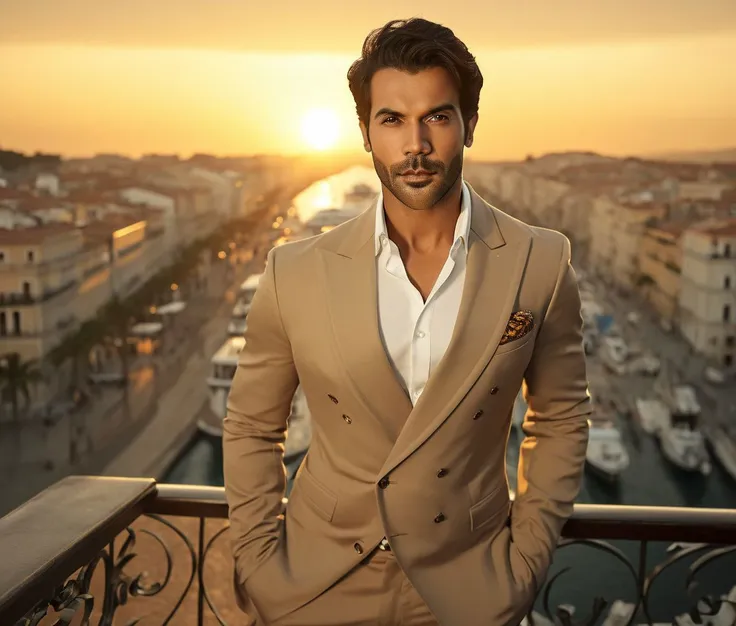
(320, 128)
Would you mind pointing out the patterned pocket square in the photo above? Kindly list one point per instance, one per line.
(520, 324)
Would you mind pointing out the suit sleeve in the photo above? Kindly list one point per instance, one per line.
(552, 455)
(254, 429)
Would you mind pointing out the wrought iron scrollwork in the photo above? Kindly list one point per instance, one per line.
(703, 606)
(74, 596)
(202, 584)
(563, 614)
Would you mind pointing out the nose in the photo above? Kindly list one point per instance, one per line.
(417, 139)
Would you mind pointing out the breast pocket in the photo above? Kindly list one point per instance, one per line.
(518, 344)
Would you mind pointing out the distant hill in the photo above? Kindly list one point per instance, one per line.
(726, 155)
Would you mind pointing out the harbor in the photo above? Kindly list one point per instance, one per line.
(645, 448)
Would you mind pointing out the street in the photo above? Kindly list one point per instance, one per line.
(718, 401)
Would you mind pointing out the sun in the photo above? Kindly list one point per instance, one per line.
(321, 128)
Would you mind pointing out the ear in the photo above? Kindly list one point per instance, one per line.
(470, 131)
(366, 137)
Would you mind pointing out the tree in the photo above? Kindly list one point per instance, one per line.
(16, 379)
(115, 318)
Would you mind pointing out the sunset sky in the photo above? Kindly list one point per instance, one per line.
(239, 76)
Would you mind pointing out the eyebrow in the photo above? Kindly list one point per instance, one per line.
(438, 109)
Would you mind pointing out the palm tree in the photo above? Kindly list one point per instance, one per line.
(76, 347)
(16, 379)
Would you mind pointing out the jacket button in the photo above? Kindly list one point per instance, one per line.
(442, 473)
(477, 415)
(440, 518)
(358, 548)
(331, 397)
(494, 391)
(348, 419)
(383, 483)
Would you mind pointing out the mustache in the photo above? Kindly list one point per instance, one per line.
(417, 163)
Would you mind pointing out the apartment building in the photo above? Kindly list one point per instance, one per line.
(616, 231)
(55, 277)
(38, 280)
(660, 268)
(708, 296)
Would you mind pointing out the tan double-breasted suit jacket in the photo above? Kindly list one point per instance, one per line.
(430, 477)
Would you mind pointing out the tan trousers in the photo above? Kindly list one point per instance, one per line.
(375, 593)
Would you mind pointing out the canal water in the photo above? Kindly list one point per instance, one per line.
(593, 572)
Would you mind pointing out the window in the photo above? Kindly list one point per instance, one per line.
(726, 312)
(727, 250)
(2, 256)
(726, 282)
(29, 256)
(728, 360)
(26, 290)
(16, 322)
(3, 324)
(730, 340)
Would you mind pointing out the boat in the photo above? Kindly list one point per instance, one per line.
(237, 325)
(248, 288)
(327, 219)
(653, 415)
(606, 455)
(680, 437)
(722, 442)
(224, 364)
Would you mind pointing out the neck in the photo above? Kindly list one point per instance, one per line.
(423, 231)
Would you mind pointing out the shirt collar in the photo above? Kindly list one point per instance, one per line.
(462, 226)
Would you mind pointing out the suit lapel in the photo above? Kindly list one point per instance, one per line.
(495, 265)
(351, 291)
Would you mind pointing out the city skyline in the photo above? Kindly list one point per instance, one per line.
(230, 79)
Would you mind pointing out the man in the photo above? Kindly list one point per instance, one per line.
(410, 329)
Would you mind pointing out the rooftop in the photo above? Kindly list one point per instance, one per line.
(35, 235)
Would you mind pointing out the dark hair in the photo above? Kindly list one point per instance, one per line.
(413, 45)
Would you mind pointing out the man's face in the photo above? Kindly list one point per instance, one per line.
(416, 134)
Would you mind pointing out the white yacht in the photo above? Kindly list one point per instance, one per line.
(248, 288)
(224, 363)
(722, 440)
(237, 325)
(606, 455)
(680, 437)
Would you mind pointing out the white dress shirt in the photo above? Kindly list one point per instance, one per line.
(416, 333)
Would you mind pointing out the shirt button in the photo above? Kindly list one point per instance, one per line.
(358, 548)
(494, 391)
(442, 473)
(383, 483)
(439, 518)
(331, 397)
(477, 415)
(348, 419)
(420, 334)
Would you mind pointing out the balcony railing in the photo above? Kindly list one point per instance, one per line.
(101, 548)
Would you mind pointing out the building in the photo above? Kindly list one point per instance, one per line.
(38, 281)
(708, 296)
(660, 268)
(55, 277)
(616, 231)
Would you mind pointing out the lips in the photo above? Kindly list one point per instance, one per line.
(417, 173)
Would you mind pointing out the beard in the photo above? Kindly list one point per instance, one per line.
(424, 195)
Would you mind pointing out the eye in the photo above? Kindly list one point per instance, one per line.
(440, 117)
(389, 120)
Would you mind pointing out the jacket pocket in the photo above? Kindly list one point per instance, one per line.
(315, 494)
(490, 508)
